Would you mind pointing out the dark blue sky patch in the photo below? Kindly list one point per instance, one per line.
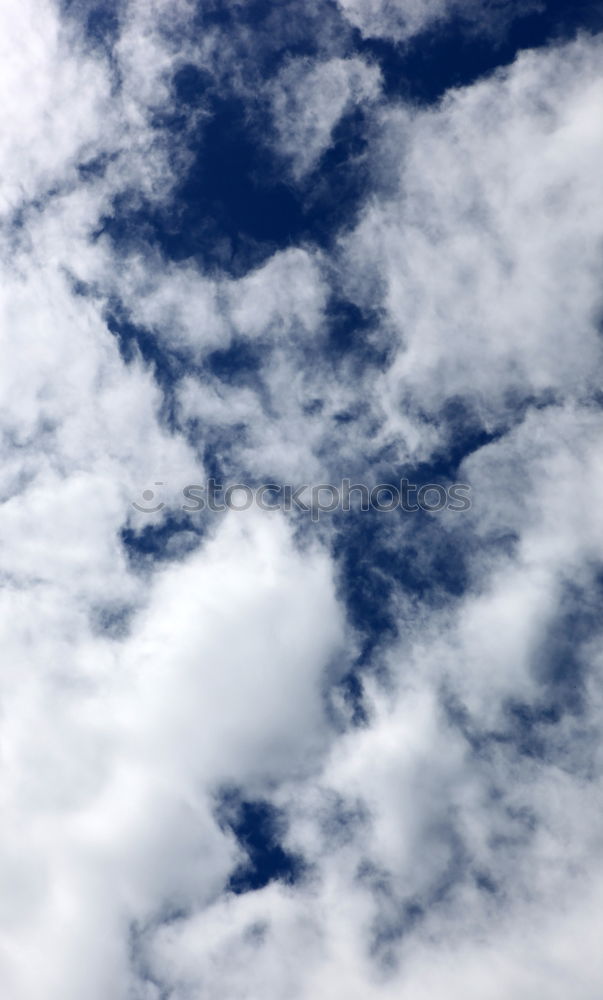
(191, 84)
(259, 828)
(366, 576)
(238, 204)
(376, 557)
(238, 364)
(234, 209)
(235, 179)
(376, 561)
(347, 324)
(334, 191)
(354, 335)
(102, 23)
(174, 536)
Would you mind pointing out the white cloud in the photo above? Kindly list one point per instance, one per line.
(478, 253)
(488, 249)
(308, 100)
(218, 681)
(400, 20)
(40, 77)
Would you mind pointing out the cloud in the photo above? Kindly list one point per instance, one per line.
(309, 100)
(40, 75)
(401, 20)
(486, 250)
(133, 736)
(417, 697)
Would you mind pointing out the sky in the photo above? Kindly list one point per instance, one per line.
(281, 751)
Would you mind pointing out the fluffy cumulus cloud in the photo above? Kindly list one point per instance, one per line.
(252, 753)
(487, 249)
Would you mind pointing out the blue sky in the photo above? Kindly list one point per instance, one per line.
(258, 753)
